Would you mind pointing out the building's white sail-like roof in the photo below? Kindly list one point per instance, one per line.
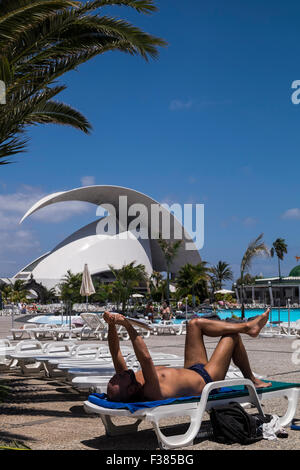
(88, 246)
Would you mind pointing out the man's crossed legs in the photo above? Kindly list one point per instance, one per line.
(230, 346)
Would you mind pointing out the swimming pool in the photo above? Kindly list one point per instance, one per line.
(274, 315)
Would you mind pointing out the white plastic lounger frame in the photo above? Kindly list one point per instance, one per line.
(168, 326)
(83, 356)
(195, 410)
(78, 353)
(30, 361)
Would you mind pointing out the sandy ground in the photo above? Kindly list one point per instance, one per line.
(48, 414)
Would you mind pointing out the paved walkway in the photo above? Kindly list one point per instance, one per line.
(48, 414)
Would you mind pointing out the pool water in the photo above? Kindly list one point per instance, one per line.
(274, 315)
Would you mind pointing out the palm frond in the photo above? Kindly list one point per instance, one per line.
(255, 248)
(58, 113)
(141, 6)
(10, 147)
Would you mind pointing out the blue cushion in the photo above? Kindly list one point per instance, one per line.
(101, 400)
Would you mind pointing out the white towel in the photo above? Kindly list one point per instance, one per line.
(272, 429)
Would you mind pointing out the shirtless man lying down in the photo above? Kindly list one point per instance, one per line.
(160, 382)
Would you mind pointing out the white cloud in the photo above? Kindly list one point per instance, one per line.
(291, 214)
(178, 105)
(87, 180)
(14, 206)
(19, 202)
(17, 241)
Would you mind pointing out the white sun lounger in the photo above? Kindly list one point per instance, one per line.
(292, 329)
(30, 331)
(30, 362)
(195, 410)
(168, 326)
(6, 349)
(84, 356)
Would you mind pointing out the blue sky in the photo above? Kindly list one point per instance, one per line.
(211, 121)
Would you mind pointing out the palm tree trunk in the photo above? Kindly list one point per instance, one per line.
(279, 271)
(168, 282)
(242, 299)
(280, 290)
(193, 297)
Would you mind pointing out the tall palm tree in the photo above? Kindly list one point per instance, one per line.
(170, 251)
(221, 272)
(190, 278)
(40, 40)
(280, 249)
(255, 248)
(126, 279)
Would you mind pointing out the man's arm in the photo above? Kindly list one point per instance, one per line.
(145, 360)
(114, 345)
(143, 356)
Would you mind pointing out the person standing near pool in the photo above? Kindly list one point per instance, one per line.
(165, 312)
(149, 312)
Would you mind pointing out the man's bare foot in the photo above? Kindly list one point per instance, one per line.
(256, 325)
(260, 384)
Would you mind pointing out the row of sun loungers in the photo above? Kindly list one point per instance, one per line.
(93, 327)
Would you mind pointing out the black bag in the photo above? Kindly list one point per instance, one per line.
(232, 424)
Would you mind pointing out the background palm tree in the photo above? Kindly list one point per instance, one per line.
(279, 248)
(219, 273)
(15, 292)
(158, 286)
(193, 280)
(70, 287)
(126, 280)
(155, 278)
(170, 251)
(255, 248)
(40, 40)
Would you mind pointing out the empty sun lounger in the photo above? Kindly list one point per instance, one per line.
(30, 362)
(83, 358)
(168, 326)
(194, 407)
(7, 349)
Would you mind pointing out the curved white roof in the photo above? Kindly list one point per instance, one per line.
(87, 246)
